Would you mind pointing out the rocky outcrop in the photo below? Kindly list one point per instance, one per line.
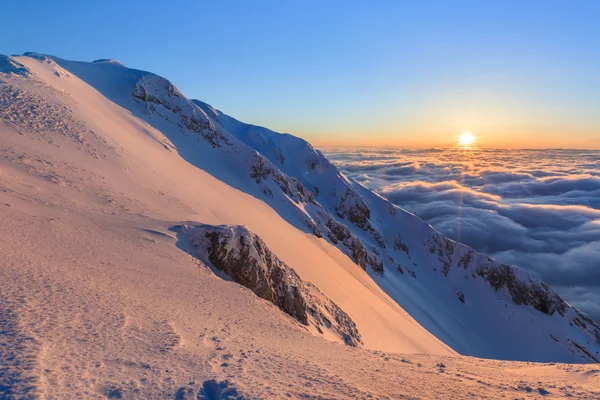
(248, 261)
(355, 208)
(444, 249)
(534, 293)
(261, 169)
(400, 245)
(339, 234)
(312, 161)
(162, 98)
(466, 259)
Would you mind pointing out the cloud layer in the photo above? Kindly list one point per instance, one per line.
(537, 209)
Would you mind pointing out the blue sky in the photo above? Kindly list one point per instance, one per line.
(517, 73)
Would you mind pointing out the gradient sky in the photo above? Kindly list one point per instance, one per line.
(516, 73)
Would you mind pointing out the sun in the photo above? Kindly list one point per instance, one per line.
(466, 139)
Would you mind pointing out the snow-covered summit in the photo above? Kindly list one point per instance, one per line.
(108, 61)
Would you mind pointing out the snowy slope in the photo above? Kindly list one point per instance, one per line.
(470, 302)
(148, 161)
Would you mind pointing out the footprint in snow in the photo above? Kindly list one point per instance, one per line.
(213, 390)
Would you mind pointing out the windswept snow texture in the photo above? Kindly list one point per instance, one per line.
(247, 260)
(472, 303)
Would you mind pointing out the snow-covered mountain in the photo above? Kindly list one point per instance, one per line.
(470, 302)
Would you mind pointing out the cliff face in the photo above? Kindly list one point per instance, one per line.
(245, 258)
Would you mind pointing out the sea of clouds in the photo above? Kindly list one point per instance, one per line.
(537, 209)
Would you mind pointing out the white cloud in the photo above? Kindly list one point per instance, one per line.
(538, 209)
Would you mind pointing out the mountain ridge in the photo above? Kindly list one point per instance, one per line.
(447, 287)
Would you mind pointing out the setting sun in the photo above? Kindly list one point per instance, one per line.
(466, 139)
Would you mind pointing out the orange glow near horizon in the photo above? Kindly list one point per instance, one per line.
(506, 139)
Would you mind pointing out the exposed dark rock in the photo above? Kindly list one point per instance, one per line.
(340, 234)
(260, 271)
(579, 323)
(247, 260)
(444, 248)
(337, 232)
(359, 253)
(214, 390)
(312, 162)
(379, 239)
(529, 292)
(355, 208)
(279, 156)
(261, 169)
(400, 245)
(322, 310)
(313, 228)
(585, 351)
(375, 251)
(461, 296)
(392, 209)
(587, 319)
(466, 259)
(375, 262)
(585, 322)
(269, 193)
(532, 293)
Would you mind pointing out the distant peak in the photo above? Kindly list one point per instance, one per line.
(207, 108)
(33, 54)
(44, 57)
(108, 61)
